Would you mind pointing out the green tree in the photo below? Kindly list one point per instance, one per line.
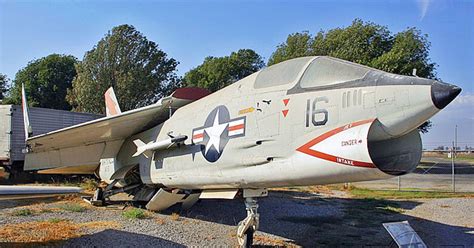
(296, 45)
(125, 59)
(365, 43)
(3, 85)
(46, 82)
(217, 72)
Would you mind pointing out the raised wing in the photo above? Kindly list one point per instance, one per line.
(78, 149)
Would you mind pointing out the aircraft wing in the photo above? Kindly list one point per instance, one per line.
(79, 148)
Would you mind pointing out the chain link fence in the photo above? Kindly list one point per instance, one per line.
(435, 173)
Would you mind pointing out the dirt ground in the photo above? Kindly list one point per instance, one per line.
(322, 218)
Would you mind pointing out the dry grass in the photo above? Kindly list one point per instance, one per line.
(72, 207)
(317, 189)
(89, 185)
(160, 221)
(175, 217)
(42, 231)
(101, 225)
(52, 230)
(269, 241)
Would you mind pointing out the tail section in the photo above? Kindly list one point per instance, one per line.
(26, 118)
(111, 104)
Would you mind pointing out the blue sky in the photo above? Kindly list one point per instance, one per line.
(191, 30)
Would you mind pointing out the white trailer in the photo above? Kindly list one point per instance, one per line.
(42, 120)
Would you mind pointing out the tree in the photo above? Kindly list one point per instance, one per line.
(425, 127)
(365, 43)
(3, 85)
(46, 82)
(125, 59)
(217, 72)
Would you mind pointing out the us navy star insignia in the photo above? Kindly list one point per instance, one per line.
(218, 129)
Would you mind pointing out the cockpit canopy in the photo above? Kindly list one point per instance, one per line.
(321, 71)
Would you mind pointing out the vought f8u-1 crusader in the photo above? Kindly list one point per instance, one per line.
(305, 121)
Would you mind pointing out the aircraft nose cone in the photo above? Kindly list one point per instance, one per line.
(442, 93)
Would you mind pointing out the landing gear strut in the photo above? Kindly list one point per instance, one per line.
(249, 225)
(102, 195)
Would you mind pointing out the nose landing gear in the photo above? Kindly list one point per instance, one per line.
(249, 225)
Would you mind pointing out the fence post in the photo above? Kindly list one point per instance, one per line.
(453, 180)
(399, 183)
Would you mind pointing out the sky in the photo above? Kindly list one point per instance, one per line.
(189, 31)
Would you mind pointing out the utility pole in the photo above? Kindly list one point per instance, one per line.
(456, 139)
(453, 155)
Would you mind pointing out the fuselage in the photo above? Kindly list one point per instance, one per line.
(306, 121)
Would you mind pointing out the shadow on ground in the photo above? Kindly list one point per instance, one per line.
(310, 220)
(305, 219)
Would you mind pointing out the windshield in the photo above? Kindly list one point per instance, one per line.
(282, 73)
(327, 71)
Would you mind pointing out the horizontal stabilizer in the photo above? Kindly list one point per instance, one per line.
(25, 192)
(77, 169)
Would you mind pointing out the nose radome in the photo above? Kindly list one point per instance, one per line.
(442, 93)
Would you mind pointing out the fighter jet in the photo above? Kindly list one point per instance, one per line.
(306, 121)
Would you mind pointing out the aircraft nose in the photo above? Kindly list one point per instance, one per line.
(442, 93)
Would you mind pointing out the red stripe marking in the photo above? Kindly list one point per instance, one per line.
(306, 148)
(236, 127)
(198, 136)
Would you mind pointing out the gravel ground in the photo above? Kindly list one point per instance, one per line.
(287, 218)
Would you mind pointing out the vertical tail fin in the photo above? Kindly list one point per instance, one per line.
(111, 104)
(26, 118)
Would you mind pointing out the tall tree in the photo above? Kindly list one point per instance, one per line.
(3, 85)
(46, 81)
(138, 70)
(365, 43)
(217, 72)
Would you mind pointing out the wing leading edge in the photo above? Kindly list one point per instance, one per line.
(79, 148)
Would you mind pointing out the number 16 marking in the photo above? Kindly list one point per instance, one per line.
(311, 110)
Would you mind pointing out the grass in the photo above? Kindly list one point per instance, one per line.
(22, 212)
(393, 194)
(263, 241)
(392, 209)
(89, 184)
(73, 207)
(56, 220)
(101, 225)
(175, 216)
(45, 233)
(40, 231)
(134, 213)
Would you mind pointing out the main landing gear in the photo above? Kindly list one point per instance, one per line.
(249, 225)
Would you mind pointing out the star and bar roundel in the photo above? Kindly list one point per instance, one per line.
(218, 129)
